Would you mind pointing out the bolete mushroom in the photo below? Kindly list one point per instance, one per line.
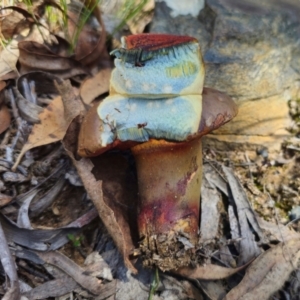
(157, 107)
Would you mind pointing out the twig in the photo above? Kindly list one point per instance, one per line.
(249, 164)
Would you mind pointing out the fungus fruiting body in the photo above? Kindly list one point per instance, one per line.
(157, 107)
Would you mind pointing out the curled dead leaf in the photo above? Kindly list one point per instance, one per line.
(114, 221)
(16, 20)
(117, 227)
(95, 86)
(34, 56)
(27, 109)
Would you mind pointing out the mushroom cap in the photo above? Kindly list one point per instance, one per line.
(217, 109)
(158, 66)
(156, 93)
(111, 125)
(155, 41)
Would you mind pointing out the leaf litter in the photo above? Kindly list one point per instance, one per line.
(235, 242)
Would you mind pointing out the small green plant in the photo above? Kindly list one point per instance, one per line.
(76, 240)
(154, 284)
(128, 12)
(84, 16)
(4, 42)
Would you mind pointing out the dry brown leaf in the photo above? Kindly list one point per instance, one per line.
(8, 60)
(9, 24)
(277, 232)
(51, 129)
(114, 223)
(4, 112)
(2, 85)
(16, 20)
(208, 272)
(116, 226)
(4, 199)
(93, 87)
(268, 272)
(73, 106)
(55, 119)
(37, 57)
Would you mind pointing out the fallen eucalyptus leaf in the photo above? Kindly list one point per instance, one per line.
(208, 272)
(23, 218)
(40, 239)
(92, 284)
(210, 214)
(28, 110)
(8, 264)
(52, 128)
(47, 199)
(116, 227)
(246, 219)
(95, 86)
(268, 272)
(8, 60)
(37, 57)
(114, 221)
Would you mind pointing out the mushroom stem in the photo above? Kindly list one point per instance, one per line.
(169, 180)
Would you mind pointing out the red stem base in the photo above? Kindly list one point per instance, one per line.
(169, 176)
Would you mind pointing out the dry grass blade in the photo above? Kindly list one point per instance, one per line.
(90, 43)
